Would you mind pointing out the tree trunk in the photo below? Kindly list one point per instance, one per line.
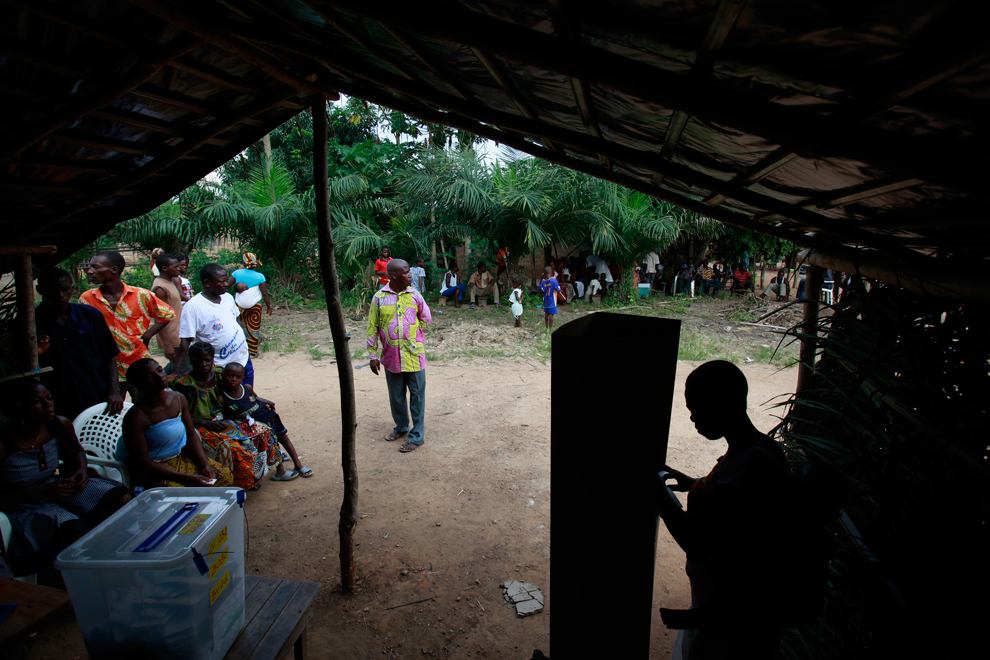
(266, 143)
(443, 249)
(347, 522)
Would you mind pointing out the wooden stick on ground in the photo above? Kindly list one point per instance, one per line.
(345, 373)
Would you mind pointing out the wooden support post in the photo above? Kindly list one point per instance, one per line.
(812, 293)
(27, 334)
(345, 372)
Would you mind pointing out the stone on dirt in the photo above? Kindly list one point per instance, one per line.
(526, 597)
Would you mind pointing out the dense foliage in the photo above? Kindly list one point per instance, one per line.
(421, 197)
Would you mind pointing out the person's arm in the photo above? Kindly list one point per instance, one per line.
(162, 314)
(423, 310)
(372, 340)
(154, 330)
(115, 402)
(195, 444)
(177, 282)
(264, 294)
(73, 455)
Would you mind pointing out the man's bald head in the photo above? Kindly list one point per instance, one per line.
(395, 265)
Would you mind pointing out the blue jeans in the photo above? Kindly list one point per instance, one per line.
(249, 373)
(461, 288)
(415, 382)
(710, 285)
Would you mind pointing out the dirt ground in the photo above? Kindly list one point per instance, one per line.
(449, 522)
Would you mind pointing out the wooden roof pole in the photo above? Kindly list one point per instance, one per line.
(934, 279)
(563, 29)
(347, 523)
(813, 279)
(726, 14)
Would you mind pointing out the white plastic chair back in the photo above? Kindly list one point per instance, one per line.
(99, 434)
(827, 292)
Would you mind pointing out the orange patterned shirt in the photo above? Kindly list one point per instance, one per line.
(137, 310)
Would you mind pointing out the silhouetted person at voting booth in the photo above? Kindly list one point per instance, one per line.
(731, 527)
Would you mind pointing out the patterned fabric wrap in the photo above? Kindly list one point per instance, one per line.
(251, 318)
(396, 320)
(137, 310)
(248, 451)
(183, 465)
(251, 260)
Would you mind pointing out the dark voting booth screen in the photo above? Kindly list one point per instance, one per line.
(612, 385)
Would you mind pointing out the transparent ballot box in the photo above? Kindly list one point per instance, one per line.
(163, 577)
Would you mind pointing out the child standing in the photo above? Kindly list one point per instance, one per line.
(240, 402)
(516, 298)
(549, 288)
(418, 275)
(381, 266)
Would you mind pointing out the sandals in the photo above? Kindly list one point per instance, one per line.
(408, 447)
(393, 436)
(304, 472)
(288, 476)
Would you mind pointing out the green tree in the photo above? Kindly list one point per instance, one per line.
(178, 226)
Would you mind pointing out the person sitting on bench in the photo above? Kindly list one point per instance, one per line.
(449, 288)
(482, 283)
(741, 279)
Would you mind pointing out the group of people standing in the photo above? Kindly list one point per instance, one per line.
(197, 421)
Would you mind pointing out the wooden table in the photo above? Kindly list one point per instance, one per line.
(35, 604)
(276, 615)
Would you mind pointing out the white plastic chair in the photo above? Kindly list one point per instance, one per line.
(99, 434)
(827, 292)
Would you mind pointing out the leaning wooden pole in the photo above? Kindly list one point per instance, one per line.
(27, 335)
(345, 373)
(814, 278)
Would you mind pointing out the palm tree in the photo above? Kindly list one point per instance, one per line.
(178, 226)
(269, 217)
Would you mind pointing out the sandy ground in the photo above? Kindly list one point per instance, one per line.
(448, 522)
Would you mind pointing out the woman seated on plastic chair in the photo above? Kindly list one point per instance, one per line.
(47, 513)
(160, 446)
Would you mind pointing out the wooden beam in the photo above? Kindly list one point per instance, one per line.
(167, 157)
(27, 249)
(428, 62)
(218, 37)
(71, 136)
(926, 77)
(935, 278)
(774, 161)
(808, 134)
(339, 23)
(726, 14)
(38, 59)
(852, 194)
(348, 519)
(146, 123)
(27, 335)
(563, 28)
(78, 22)
(813, 279)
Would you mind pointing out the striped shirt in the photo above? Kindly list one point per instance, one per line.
(136, 311)
(395, 321)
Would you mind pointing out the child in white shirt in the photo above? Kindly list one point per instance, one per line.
(516, 298)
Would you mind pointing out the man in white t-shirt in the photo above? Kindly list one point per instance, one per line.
(211, 316)
(650, 262)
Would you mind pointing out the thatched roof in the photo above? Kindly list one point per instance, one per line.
(828, 123)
